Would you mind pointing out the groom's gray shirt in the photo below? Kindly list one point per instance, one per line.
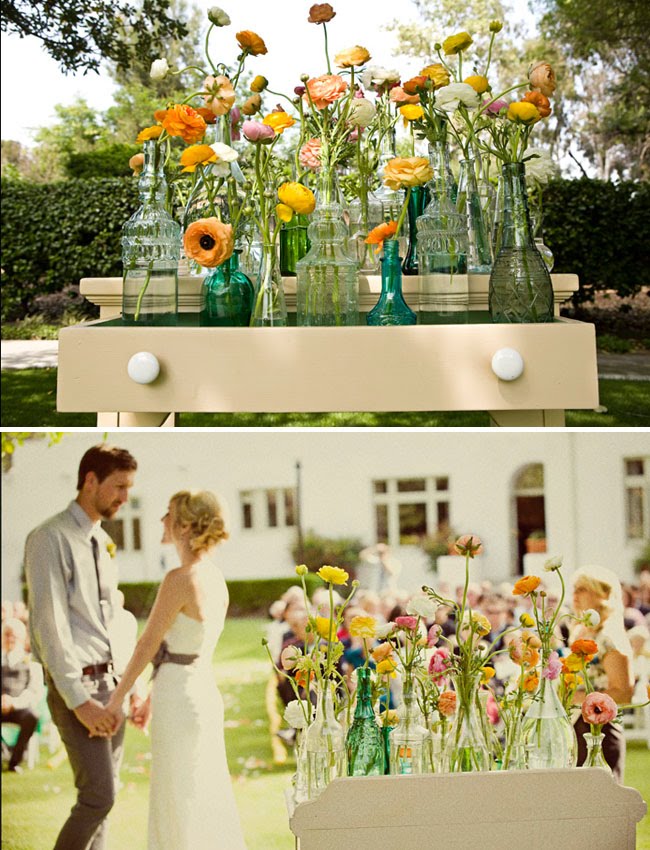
(67, 626)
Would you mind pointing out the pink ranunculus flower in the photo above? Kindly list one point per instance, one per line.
(447, 703)
(598, 709)
(398, 95)
(496, 107)
(289, 657)
(409, 623)
(255, 131)
(553, 666)
(433, 635)
(325, 90)
(469, 544)
(310, 154)
(439, 663)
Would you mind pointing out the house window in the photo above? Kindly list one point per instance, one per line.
(268, 508)
(272, 508)
(125, 532)
(246, 501)
(637, 488)
(408, 509)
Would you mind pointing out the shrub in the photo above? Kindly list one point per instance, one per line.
(337, 551)
(109, 161)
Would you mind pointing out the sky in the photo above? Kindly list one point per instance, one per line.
(294, 47)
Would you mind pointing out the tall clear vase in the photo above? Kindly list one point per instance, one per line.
(409, 740)
(548, 736)
(470, 203)
(442, 247)
(325, 744)
(520, 288)
(467, 749)
(327, 287)
(269, 308)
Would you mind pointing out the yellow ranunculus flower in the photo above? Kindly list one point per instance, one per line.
(479, 83)
(363, 627)
(333, 575)
(283, 212)
(482, 625)
(437, 73)
(259, 83)
(356, 55)
(279, 121)
(386, 666)
(325, 628)
(487, 673)
(149, 133)
(523, 113)
(527, 621)
(572, 662)
(197, 155)
(300, 198)
(301, 569)
(455, 43)
(411, 111)
(407, 171)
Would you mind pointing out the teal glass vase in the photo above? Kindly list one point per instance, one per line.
(364, 742)
(294, 244)
(418, 200)
(391, 309)
(151, 245)
(520, 288)
(324, 744)
(409, 740)
(229, 296)
(467, 749)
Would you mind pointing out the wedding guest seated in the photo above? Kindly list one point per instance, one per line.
(22, 688)
(7, 609)
(494, 608)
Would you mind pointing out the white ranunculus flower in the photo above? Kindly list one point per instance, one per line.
(375, 75)
(448, 98)
(423, 606)
(362, 112)
(385, 630)
(553, 564)
(218, 17)
(591, 618)
(225, 155)
(159, 69)
(541, 167)
(294, 714)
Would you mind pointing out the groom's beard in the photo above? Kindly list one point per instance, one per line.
(109, 511)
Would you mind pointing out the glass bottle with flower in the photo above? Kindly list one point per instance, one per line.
(364, 741)
(598, 709)
(524, 652)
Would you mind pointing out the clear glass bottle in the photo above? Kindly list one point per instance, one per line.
(327, 288)
(595, 755)
(548, 736)
(229, 295)
(325, 744)
(467, 749)
(364, 743)
(391, 309)
(151, 243)
(538, 234)
(520, 288)
(409, 740)
(269, 308)
(469, 202)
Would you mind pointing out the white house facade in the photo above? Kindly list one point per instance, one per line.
(587, 492)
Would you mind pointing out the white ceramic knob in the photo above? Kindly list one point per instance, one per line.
(507, 364)
(143, 367)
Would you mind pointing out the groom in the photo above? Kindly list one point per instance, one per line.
(72, 586)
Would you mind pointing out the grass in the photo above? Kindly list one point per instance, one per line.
(36, 803)
(29, 401)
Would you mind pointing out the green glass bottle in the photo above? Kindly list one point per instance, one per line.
(294, 244)
(364, 742)
(391, 309)
(229, 295)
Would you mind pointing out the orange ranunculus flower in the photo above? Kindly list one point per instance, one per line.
(541, 77)
(207, 114)
(251, 42)
(137, 163)
(526, 585)
(411, 86)
(447, 703)
(539, 100)
(530, 657)
(352, 57)
(252, 105)
(279, 121)
(184, 121)
(455, 43)
(197, 155)
(321, 13)
(149, 133)
(530, 683)
(523, 113)
(159, 115)
(411, 111)
(437, 73)
(379, 653)
(209, 242)
(478, 82)
(405, 171)
(325, 90)
(399, 95)
(220, 94)
(385, 230)
(584, 647)
(297, 197)
(302, 678)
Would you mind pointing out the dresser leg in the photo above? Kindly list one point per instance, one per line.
(136, 420)
(526, 418)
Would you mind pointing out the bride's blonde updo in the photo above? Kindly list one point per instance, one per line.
(201, 513)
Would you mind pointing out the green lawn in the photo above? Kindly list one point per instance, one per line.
(35, 803)
(29, 401)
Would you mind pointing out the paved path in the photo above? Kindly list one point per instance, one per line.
(30, 354)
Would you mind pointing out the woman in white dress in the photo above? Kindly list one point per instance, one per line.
(191, 803)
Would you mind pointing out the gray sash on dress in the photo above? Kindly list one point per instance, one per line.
(164, 656)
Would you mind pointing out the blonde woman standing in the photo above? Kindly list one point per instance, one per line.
(191, 804)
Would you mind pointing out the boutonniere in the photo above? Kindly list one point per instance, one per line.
(111, 548)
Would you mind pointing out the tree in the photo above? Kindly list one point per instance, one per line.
(80, 34)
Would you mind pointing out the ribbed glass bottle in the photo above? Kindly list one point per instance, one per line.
(364, 743)
(229, 295)
(391, 309)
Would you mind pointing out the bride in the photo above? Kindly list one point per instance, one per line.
(191, 803)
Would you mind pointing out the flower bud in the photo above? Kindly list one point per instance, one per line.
(301, 570)
(218, 17)
(496, 26)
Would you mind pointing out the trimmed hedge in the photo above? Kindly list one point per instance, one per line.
(247, 598)
(109, 161)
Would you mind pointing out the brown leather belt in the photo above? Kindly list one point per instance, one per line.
(97, 669)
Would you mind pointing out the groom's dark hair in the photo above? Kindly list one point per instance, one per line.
(103, 460)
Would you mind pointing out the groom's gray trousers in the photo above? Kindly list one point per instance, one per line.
(95, 765)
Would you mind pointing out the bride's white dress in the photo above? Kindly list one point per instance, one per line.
(191, 804)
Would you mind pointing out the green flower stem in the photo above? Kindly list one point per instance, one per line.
(138, 305)
(289, 678)
(327, 56)
(207, 48)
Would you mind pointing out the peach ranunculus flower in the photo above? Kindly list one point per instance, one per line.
(251, 42)
(289, 657)
(385, 230)
(379, 653)
(352, 57)
(469, 544)
(137, 163)
(531, 682)
(455, 43)
(209, 241)
(526, 585)
(279, 121)
(543, 105)
(220, 94)
(252, 105)
(323, 91)
(321, 13)
(447, 703)
(478, 82)
(333, 575)
(531, 639)
(309, 155)
(437, 73)
(598, 709)
(207, 114)
(149, 133)
(184, 121)
(403, 171)
(541, 77)
(398, 95)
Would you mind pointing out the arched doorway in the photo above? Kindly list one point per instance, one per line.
(530, 514)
